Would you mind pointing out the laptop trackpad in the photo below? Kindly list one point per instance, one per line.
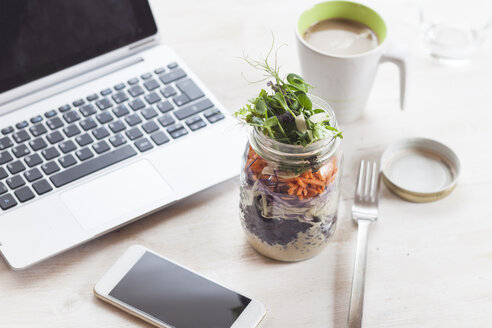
(119, 195)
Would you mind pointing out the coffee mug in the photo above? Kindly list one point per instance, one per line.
(345, 81)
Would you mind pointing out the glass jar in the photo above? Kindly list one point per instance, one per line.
(289, 194)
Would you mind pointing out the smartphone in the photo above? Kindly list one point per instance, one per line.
(168, 295)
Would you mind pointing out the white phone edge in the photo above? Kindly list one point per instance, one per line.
(250, 317)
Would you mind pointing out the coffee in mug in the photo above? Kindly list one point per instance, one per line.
(340, 36)
(341, 44)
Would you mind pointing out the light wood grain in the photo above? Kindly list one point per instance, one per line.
(429, 265)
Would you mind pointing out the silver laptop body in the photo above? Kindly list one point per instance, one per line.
(204, 147)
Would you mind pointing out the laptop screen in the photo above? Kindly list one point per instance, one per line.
(41, 37)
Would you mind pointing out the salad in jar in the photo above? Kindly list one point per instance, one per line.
(290, 177)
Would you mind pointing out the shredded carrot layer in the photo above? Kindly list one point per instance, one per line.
(308, 184)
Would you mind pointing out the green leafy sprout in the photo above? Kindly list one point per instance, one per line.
(285, 113)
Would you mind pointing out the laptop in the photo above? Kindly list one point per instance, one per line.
(100, 124)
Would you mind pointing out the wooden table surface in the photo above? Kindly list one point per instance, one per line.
(429, 265)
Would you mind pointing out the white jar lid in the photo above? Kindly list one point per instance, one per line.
(419, 169)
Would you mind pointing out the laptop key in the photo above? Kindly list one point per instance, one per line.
(50, 153)
(93, 165)
(84, 153)
(3, 173)
(151, 84)
(38, 129)
(120, 111)
(21, 136)
(106, 92)
(37, 144)
(175, 127)
(159, 138)
(7, 201)
(87, 110)
(172, 76)
(104, 117)
(3, 188)
(143, 144)
(101, 147)
(104, 103)
(71, 116)
(165, 107)
(21, 125)
(148, 113)
(92, 97)
(71, 130)
(88, 124)
(54, 123)
(54, 137)
(117, 140)
(193, 109)
(152, 98)
(168, 91)
(100, 132)
(133, 119)
(67, 146)
(5, 143)
(42, 187)
(136, 104)
(150, 127)
(78, 102)
(181, 99)
(119, 97)
(133, 81)
(33, 174)
(20, 150)
(50, 113)
(16, 167)
(67, 160)
(136, 91)
(166, 120)
(146, 76)
(24, 194)
(195, 123)
(50, 167)
(172, 65)
(64, 108)
(117, 126)
(159, 70)
(7, 130)
(5, 157)
(33, 160)
(119, 86)
(134, 133)
(84, 139)
(178, 133)
(215, 118)
(15, 182)
(36, 119)
(189, 88)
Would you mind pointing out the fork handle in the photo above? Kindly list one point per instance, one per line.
(358, 279)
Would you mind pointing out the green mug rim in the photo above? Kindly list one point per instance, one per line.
(341, 9)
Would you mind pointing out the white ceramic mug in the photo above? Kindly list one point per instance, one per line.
(345, 81)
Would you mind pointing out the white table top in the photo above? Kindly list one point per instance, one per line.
(429, 265)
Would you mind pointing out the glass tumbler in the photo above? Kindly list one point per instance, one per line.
(454, 29)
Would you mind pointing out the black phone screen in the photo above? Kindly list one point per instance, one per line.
(177, 296)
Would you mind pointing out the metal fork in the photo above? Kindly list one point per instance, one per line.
(364, 212)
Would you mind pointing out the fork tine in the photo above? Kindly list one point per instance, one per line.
(374, 183)
(367, 183)
(360, 179)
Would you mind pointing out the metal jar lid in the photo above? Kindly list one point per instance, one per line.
(419, 169)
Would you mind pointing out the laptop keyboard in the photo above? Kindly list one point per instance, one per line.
(48, 151)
